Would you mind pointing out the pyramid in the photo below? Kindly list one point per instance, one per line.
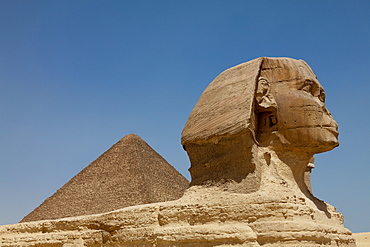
(129, 173)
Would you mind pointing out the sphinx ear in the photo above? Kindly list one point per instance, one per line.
(266, 109)
(265, 100)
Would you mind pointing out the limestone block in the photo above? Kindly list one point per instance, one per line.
(203, 217)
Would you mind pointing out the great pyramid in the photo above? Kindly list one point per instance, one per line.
(129, 173)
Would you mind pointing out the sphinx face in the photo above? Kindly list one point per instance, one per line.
(302, 118)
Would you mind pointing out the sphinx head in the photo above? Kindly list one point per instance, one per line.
(293, 108)
(270, 102)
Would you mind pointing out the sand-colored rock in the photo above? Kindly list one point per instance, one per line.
(203, 217)
(362, 239)
(129, 173)
(250, 139)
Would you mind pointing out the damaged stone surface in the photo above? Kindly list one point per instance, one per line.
(250, 139)
(202, 217)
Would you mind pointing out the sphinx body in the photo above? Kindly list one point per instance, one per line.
(250, 139)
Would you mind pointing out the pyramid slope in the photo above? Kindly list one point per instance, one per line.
(129, 173)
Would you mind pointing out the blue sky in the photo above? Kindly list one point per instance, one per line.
(77, 76)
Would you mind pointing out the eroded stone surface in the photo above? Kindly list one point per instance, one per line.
(202, 217)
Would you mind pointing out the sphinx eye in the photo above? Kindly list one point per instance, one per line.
(307, 86)
(322, 96)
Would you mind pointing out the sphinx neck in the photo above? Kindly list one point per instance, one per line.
(284, 169)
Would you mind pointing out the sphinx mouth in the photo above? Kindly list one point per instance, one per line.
(332, 129)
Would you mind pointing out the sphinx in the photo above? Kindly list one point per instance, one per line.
(268, 110)
(250, 138)
(254, 131)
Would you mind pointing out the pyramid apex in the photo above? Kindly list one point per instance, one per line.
(131, 137)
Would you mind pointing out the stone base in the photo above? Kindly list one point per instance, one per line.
(203, 217)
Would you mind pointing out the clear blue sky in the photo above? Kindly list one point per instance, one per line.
(77, 76)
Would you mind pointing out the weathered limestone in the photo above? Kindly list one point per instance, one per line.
(250, 139)
(202, 217)
(129, 173)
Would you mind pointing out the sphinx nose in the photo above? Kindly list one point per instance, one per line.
(333, 123)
